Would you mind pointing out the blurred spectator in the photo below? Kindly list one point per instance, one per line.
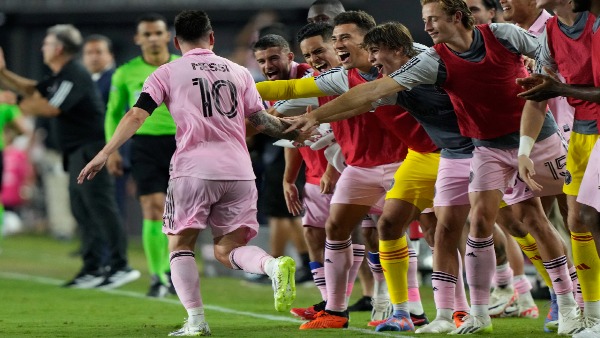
(72, 99)
(484, 11)
(324, 11)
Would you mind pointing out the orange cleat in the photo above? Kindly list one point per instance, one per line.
(326, 320)
(458, 317)
(308, 313)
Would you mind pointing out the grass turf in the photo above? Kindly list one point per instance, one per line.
(33, 305)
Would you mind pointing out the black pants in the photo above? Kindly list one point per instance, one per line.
(94, 207)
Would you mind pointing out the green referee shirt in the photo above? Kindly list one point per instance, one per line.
(126, 87)
(8, 113)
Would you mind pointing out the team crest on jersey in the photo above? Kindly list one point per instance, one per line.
(568, 177)
(471, 176)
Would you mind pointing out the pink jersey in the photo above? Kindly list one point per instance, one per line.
(209, 98)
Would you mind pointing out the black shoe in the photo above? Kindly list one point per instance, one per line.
(363, 304)
(85, 280)
(419, 320)
(157, 288)
(118, 278)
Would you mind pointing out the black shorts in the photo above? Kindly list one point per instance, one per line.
(150, 160)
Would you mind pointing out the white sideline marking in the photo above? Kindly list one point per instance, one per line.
(52, 281)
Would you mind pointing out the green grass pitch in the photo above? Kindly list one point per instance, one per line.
(33, 305)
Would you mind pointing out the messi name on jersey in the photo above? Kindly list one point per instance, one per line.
(213, 67)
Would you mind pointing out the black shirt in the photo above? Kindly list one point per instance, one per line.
(81, 118)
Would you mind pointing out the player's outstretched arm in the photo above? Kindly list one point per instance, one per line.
(131, 122)
(353, 102)
(289, 89)
(272, 126)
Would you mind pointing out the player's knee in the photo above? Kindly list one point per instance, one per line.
(222, 254)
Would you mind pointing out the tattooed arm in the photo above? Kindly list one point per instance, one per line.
(271, 125)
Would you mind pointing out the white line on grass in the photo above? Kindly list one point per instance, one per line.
(52, 281)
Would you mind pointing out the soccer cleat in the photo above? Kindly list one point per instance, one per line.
(310, 312)
(157, 288)
(188, 330)
(419, 320)
(437, 326)
(327, 320)
(474, 324)
(85, 280)
(459, 317)
(529, 312)
(592, 329)
(119, 278)
(551, 320)
(397, 322)
(283, 282)
(500, 299)
(363, 304)
(382, 309)
(570, 321)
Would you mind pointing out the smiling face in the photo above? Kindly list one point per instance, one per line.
(438, 24)
(319, 54)
(385, 59)
(274, 62)
(518, 11)
(347, 39)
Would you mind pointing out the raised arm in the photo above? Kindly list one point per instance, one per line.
(271, 125)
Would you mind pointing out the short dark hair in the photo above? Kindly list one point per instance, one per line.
(321, 29)
(392, 35)
(192, 25)
(490, 4)
(68, 36)
(151, 17)
(271, 40)
(100, 37)
(333, 3)
(361, 19)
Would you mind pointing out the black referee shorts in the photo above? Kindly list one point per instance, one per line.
(150, 160)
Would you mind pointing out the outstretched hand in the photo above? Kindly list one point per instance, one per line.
(93, 167)
(540, 87)
(304, 123)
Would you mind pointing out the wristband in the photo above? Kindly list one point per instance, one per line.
(525, 145)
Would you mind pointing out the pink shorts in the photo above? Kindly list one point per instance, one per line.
(452, 184)
(496, 169)
(364, 186)
(224, 206)
(589, 192)
(316, 206)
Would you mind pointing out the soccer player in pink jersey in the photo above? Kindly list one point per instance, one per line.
(212, 183)
(477, 66)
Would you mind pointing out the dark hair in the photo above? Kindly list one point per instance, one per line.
(192, 25)
(392, 35)
(362, 20)
(451, 7)
(68, 36)
(271, 40)
(151, 17)
(333, 3)
(489, 4)
(100, 37)
(321, 29)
